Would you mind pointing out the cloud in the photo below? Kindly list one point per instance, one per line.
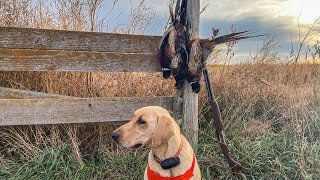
(241, 9)
(260, 16)
(252, 45)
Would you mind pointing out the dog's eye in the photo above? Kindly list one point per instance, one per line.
(140, 121)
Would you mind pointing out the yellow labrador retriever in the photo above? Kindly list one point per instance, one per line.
(171, 156)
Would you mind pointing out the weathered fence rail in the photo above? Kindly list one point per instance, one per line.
(9, 93)
(44, 39)
(74, 110)
(80, 61)
(53, 50)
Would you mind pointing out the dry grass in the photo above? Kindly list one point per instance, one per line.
(270, 109)
(90, 84)
(257, 100)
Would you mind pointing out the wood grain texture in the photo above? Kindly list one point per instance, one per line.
(190, 124)
(10, 93)
(74, 110)
(44, 39)
(80, 61)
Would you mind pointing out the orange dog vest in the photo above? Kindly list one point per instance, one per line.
(186, 176)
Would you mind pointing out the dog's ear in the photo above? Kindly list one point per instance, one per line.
(164, 130)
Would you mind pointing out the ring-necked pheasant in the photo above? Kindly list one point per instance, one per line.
(184, 57)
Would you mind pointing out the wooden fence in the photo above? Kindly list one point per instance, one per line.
(24, 49)
(53, 50)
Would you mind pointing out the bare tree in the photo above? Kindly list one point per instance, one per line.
(70, 14)
(94, 6)
(141, 16)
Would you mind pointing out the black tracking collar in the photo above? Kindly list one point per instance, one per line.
(170, 163)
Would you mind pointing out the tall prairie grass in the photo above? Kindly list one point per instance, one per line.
(271, 116)
(271, 109)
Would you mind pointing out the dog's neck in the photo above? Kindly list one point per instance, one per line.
(162, 152)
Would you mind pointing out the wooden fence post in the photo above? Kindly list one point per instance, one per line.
(190, 124)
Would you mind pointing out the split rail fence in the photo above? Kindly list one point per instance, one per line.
(23, 49)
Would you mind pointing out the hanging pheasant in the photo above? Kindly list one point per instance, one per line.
(202, 48)
(184, 58)
(172, 51)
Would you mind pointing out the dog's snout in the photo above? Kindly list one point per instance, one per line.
(115, 135)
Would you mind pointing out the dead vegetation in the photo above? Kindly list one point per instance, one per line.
(260, 99)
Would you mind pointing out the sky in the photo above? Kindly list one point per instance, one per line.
(281, 18)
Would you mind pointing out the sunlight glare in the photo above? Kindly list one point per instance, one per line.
(307, 9)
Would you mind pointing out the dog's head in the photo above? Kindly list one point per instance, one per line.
(150, 126)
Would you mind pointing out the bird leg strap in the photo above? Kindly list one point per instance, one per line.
(235, 166)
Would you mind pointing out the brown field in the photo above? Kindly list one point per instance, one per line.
(288, 86)
(258, 98)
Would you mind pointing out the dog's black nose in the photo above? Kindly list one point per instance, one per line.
(115, 135)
